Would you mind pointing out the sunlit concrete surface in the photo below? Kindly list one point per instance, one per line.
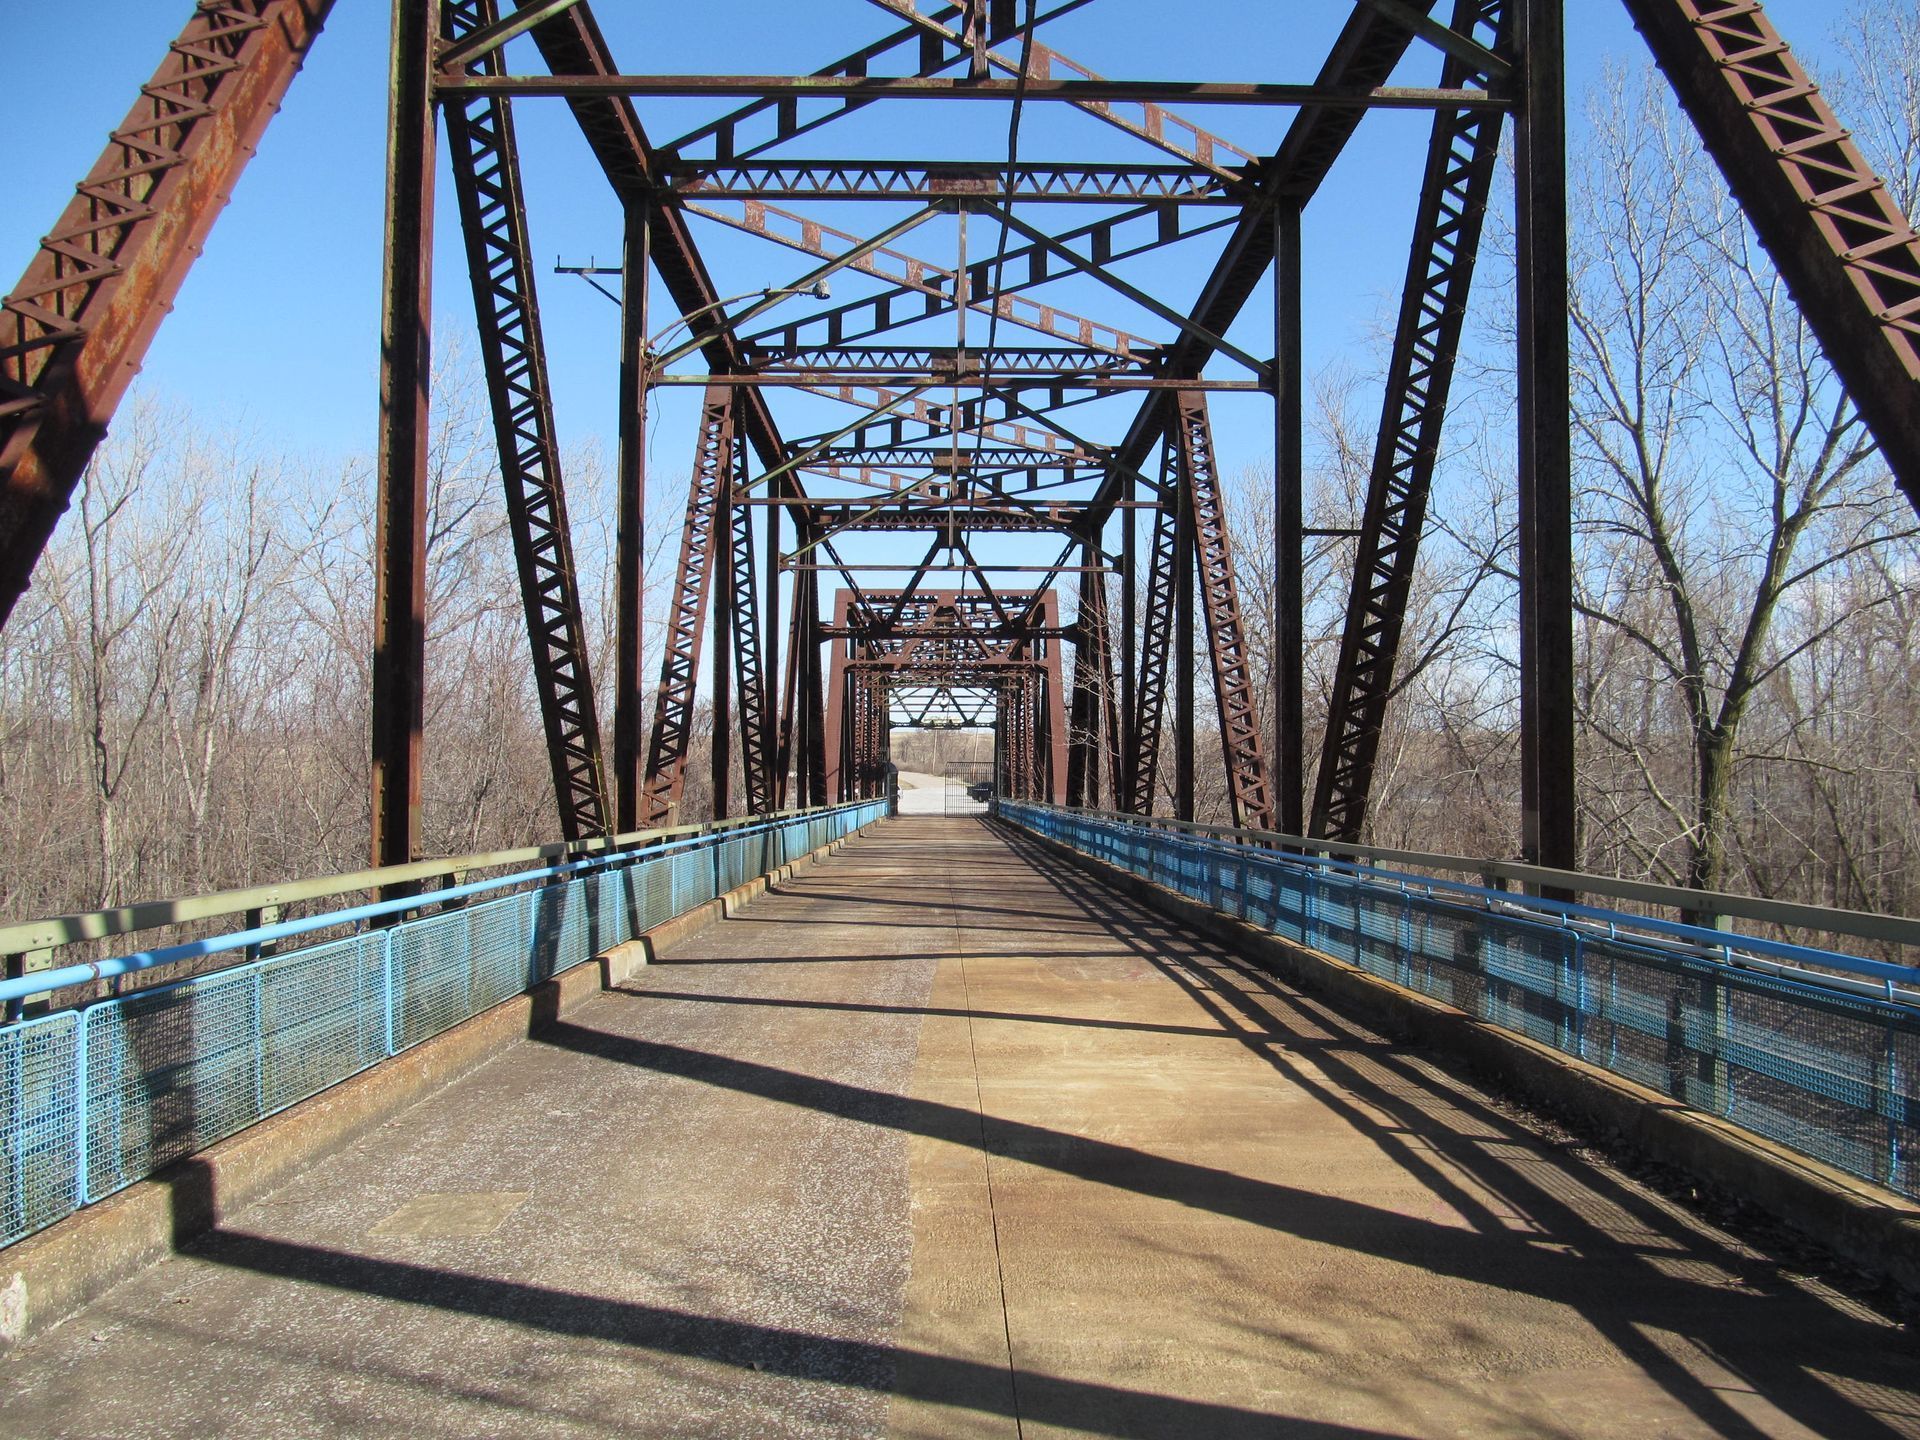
(936, 795)
(937, 1141)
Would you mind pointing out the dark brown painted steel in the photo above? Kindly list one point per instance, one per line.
(629, 701)
(1289, 559)
(672, 735)
(1150, 679)
(1365, 53)
(1185, 780)
(1079, 92)
(1547, 796)
(1249, 792)
(894, 180)
(406, 367)
(1136, 231)
(741, 616)
(75, 329)
(1087, 739)
(571, 44)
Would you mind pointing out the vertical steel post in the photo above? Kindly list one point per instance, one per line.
(1545, 441)
(812, 695)
(1125, 739)
(1053, 678)
(770, 670)
(721, 616)
(629, 699)
(1182, 646)
(400, 544)
(1289, 591)
(790, 763)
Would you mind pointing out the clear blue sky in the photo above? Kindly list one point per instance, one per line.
(277, 328)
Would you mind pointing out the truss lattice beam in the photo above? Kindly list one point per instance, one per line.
(1461, 157)
(673, 716)
(486, 175)
(1847, 253)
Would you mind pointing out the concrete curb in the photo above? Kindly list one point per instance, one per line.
(1871, 1227)
(49, 1275)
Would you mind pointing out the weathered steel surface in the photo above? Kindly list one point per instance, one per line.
(75, 329)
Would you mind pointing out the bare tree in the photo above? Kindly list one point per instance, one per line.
(1723, 474)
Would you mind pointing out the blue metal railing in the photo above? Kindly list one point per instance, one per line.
(95, 1098)
(1816, 1050)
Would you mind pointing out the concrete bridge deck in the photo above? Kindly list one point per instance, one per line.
(937, 1140)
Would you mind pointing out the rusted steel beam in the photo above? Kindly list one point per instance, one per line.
(836, 778)
(75, 329)
(1289, 528)
(672, 733)
(904, 180)
(1084, 734)
(1461, 157)
(1145, 120)
(1061, 390)
(572, 45)
(1150, 684)
(741, 615)
(1548, 813)
(868, 88)
(735, 136)
(1185, 788)
(1368, 48)
(981, 458)
(485, 164)
(1849, 256)
(812, 696)
(1051, 714)
(1248, 788)
(898, 267)
(909, 417)
(1133, 232)
(630, 508)
(949, 363)
(406, 368)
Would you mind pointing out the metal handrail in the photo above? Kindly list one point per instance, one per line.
(1791, 914)
(40, 982)
(26, 936)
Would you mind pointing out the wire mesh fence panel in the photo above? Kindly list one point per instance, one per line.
(1831, 1074)
(40, 1123)
(169, 1072)
(323, 1016)
(94, 1099)
(449, 967)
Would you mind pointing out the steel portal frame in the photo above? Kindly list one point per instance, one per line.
(977, 445)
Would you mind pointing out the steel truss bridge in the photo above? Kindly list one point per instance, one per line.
(953, 463)
(974, 408)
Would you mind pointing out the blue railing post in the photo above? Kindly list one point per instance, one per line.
(82, 1107)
